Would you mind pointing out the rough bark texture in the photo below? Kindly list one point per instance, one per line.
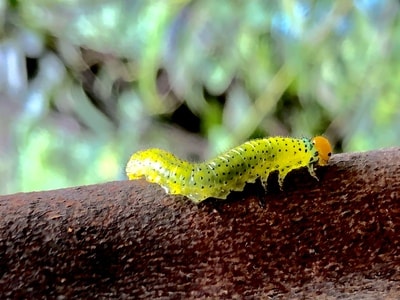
(339, 237)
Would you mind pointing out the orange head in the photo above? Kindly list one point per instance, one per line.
(324, 149)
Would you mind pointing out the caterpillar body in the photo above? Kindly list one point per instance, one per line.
(231, 170)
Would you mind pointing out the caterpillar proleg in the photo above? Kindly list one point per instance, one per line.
(231, 170)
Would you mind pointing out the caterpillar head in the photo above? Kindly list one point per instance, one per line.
(324, 149)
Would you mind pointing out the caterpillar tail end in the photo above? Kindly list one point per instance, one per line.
(133, 169)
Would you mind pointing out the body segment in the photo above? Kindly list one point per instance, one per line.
(231, 170)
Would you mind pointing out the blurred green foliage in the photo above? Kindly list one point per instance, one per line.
(83, 84)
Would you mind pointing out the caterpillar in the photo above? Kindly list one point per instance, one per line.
(231, 170)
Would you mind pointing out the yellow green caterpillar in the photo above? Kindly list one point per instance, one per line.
(231, 170)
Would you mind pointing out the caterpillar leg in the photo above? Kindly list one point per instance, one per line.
(281, 177)
(312, 171)
(262, 192)
(264, 183)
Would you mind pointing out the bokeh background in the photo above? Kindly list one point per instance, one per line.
(83, 84)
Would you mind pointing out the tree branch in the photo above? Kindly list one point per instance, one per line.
(336, 237)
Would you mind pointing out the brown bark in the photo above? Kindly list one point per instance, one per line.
(337, 237)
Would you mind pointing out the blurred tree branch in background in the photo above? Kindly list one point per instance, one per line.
(85, 83)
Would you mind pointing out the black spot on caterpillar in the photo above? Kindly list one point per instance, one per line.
(231, 170)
